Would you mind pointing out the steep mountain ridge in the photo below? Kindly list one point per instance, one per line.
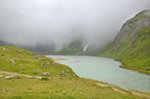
(132, 44)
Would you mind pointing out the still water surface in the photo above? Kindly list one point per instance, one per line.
(106, 70)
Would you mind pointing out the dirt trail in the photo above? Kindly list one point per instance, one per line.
(101, 85)
(18, 74)
(119, 91)
(140, 94)
(98, 84)
(125, 93)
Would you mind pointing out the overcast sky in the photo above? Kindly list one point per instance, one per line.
(29, 21)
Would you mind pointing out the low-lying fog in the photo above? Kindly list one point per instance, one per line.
(61, 21)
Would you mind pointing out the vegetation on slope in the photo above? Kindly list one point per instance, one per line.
(72, 49)
(132, 45)
(18, 60)
(60, 83)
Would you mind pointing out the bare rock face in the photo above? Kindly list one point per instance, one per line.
(131, 27)
(127, 37)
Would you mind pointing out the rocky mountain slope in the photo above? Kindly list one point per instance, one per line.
(132, 44)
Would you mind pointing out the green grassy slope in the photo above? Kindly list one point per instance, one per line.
(71, 49)
(18, 60)
(57, 86)
(135, 55)
(133, 51)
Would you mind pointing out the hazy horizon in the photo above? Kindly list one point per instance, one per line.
(61, 21)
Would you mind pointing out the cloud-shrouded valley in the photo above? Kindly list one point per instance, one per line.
(96, 22)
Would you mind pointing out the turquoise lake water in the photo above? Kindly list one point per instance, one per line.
(106, 70)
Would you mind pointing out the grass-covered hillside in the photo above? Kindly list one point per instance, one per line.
(72, 49)
(18, 60)
(24, 75)
(132, 44)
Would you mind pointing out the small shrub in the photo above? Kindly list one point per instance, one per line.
(17, 77)
(44, 78)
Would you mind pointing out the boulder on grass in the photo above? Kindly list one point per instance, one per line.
(9, 77)
(45, 73)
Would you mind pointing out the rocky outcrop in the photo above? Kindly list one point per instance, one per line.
(131, 27)
(132, 44)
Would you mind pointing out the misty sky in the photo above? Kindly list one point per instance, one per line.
(31, 21)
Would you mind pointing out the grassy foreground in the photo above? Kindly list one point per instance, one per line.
(59, 82)
(60, 88)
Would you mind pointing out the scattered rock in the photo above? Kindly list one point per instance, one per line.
(9, 77)
(19, 51)
(63, 75)
(38, 77)
(64, 70)
(45, 73)
(64, 92)
(13, 62)
(3, 49)
(36, 57)
(41, 64)
(1, 75)
(45, 65)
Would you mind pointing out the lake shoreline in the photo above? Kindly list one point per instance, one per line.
(67, 61)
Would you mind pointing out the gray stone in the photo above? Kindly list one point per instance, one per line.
(9, 77)
(45, 73)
